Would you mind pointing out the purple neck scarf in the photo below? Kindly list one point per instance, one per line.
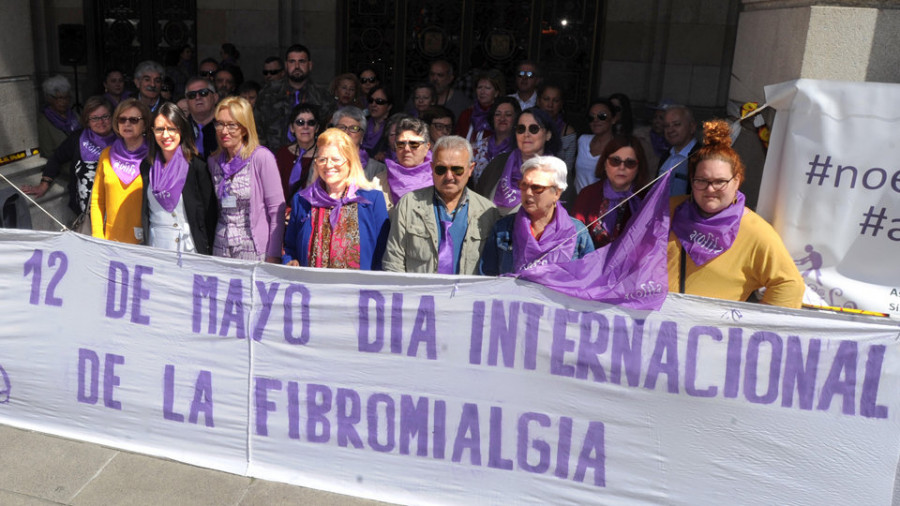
(317, 196)
(297, 170)
(560, 125)
(557, 241)
(494, 149)
(614, 198)
(373, 134)
(91, 144)
(68, 123)
(230, 168)
(479, 119)
(126, 164)
(706, 238)
(167, 181)
(445, 252)
(403, 180)
(125, 94)
(507, 193)
(363, 157)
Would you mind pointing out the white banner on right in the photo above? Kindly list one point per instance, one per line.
(831, 188)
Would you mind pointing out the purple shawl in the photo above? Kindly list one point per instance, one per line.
(403, 180)
(373, 134)
(706, 238)
(507, 193)
(230, 168)
(91, 144)
(126, 164)
(67, 124)
(317, 196)
(556, 245)
(167, 181)
(494, 149)
(479, 121)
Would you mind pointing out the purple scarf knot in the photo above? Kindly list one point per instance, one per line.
(317, 196)
(126, 164)
(494, 148)
(507, 193)
(91, 144)
(556, 245)
(373, 134)
(297, 170)
(68, 123)
(705, 238)
(613, 198)
(230, 168)
(479, 121)
(403, 180)
(167, 180)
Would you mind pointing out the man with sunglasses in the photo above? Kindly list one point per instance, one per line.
(201, 100)
(441, 228)
(208, 68)
(527, 80)
(680, 130)
(273, 69)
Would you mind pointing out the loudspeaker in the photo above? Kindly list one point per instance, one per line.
(72, 45)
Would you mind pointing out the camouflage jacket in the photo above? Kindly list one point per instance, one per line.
(274, 105)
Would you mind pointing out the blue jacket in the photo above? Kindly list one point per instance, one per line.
(373, 230)
(497, 257)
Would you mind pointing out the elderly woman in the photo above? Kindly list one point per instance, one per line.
(251, 200)
(114, 87)
(412, 169)
(503, 116)
(719, 248)
(600, 118)
(57, 119)
(535, 135)
(83, 150)
(116, 195)
(339, 221)
(352, 121)
(622, 171)
(474, 122)
(295, 159)
(345, 90)
(541, 231)
(179, 206)
(380, 104)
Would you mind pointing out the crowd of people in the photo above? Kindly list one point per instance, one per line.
(349, 176)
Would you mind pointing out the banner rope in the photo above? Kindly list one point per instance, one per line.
(63, 229)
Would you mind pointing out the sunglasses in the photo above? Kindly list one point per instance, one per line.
(354, 129)
(191, 95)
(380, 101)
(134, 120)
(367, 80)
(533, 128)
(457, 170)
(305, 122)
(536, 189)
(207, 73)
(525, 73)
(413, 145)
(615, 161)
(600, 116)
(165, 89)
(271, 72)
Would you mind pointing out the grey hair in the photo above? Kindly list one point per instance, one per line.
(56, 85)
(452, 143)
(352, 112)
(414, 125)
(551, 165)
(688, 114)
(196, 79)
(148, 66)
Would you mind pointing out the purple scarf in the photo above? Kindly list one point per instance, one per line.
(557, 241)
(316, 195)
(403, 180)
(494, 149)
(297, 170)
(507, 193)
(560, 125)
(92, 144)
(614, 197)
(373, 135)
(230, 168)
(167, 181)
(126, 164)
(125, 94)
(363, 158)
(67, 124)
(706, 238)
(479, 120)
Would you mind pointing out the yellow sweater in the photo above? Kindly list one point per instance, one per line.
(115, 208)
(757, 259)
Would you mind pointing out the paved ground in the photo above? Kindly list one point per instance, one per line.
(38, 469)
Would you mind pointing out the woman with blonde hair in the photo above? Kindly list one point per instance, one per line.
(248, 186)
(339, 221)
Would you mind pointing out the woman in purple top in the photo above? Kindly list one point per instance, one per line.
(248, 186)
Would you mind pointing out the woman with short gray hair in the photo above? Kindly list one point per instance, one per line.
(412, 168)
(57, 119)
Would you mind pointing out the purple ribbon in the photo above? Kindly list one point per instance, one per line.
(317, 196)
(230, 168)
(445, 252)
(706, 238)
(167, 180)
(403, 180)
(508, 193)
(126, 164)
(556, 245)
(91, 144)
(297, 170)
(68, 123)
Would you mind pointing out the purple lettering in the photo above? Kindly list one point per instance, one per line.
(440, 429)
(589, 350)
(665, 358)
(289, 293)
(263, 404)
(110, 380)
(169, 395)
(593, 455)
(868, 406)
(560, 345)
(477, 336)
(203, 401)
(626, 353)
(266, 298)
(495, 441)
(293, 389)
(88, 382)
(690, 373)
(844, 362)
(365, 297)
(397, 323)
(138, 294)
(349, 413)
(414, 423)
(205, 288)
(503, 333)
(533, 313)
(750, 372)
(234, 309)
(468, 435)
(118, 276)
(424, 330)
(372, 414)
(318, 404)
(800, 373)
(563, 447)
(542, 447)
(733, 363)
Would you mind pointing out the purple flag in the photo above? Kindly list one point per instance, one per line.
(631, 271)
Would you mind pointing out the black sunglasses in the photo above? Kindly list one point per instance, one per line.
(304, 122)
(380, 101)
(191, 95)
(533, 128)
(457, 170)
(271, 72)
(367, 80)
(601, 116)
(166, 89)
(615, 161)
(207, 73)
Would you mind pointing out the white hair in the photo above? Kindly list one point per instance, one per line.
(452, 143)
(55, 86)
(551, 165)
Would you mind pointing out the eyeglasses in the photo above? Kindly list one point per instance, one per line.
(536, 189)
(272, 72)
(207, 73)
(191, 95)
(717, 184)
(134, 120)
(380, 101)
(163, 130)
(99, 119)
(526, 73)
(443, 127)
(335, 162)
(457, 170)
(413, 145)
(600, 116)
(165, 89)
(231, 127)
(305, 122)
(533, 128)
(367, 80)
(353, 129)
(615, 161)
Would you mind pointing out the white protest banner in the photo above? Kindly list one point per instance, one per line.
(831, 188)
(439, 389)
